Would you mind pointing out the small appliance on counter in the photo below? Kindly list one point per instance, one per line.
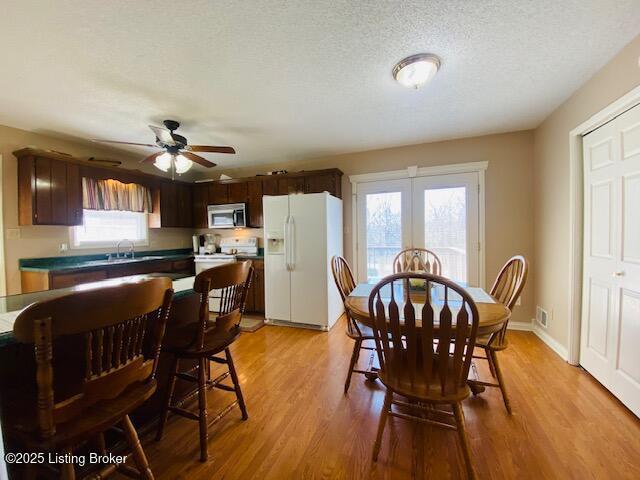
(229, 248)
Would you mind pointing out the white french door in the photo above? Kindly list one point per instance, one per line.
(438, 212)
(610, 331)
(384, 226)
(445, 220)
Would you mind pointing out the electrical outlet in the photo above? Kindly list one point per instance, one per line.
(13, 233)
(518, 302)
(64, 247)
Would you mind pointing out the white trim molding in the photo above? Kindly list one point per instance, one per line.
(413, 172)
(520, 326)
(551, 342)
(627, 101)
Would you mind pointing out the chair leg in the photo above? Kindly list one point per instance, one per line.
(168, 397)
(383, 420)
(236, 383)
(464, 441)
(202, 407)
(68, 471)
(139, 457)
(503, 388)
(492, 367)
(354, 358)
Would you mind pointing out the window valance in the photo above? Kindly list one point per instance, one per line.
(112, 194)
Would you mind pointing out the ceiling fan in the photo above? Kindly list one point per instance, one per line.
(176, 153)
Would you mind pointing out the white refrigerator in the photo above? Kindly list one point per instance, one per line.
(302, 233)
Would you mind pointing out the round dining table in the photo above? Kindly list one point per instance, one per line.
(492, 314)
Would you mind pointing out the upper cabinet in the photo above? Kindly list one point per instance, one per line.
(251, 190)
(49, 191)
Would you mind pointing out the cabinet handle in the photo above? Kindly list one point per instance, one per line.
(619, 274)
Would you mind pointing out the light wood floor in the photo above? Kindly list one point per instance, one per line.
(565, 425)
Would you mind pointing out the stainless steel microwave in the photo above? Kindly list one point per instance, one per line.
(232, 215)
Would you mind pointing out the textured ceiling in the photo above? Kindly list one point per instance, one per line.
(292, 80)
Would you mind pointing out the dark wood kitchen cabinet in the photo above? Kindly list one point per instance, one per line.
(49, 191)
(237, 192)
(288, 186)
(255, 295)
(254, 203)
(200, 202)
(218, 193)
(172, 206)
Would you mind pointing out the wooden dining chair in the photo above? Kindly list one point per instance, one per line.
(96, 355)
(204, 340)
(412, 367)
(357, 331)
(506, 289)
(417, 260)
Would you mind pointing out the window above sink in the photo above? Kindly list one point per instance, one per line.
(105, 228)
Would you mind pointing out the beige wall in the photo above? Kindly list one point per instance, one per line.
(509, 189)
(551, 181)
(44, 241)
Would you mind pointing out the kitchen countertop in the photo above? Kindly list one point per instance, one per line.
(12, 305)
(87, 262)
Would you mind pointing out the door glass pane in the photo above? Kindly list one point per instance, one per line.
(384, 233)
(445, 229)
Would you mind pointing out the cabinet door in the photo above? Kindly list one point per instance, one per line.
(249, 305)
(58, 193)
(255, 203)
(218, 193)
(291, 185)
(237, 192)
(65, 280)
(270, 186)
(74, 195)
(322, 183)
(168, 205)
(258, 295)
(184, 205)
(200, 205)
(42, 214)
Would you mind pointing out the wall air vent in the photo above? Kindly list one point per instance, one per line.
(542, 316)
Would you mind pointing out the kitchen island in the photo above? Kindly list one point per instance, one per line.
(17, 360)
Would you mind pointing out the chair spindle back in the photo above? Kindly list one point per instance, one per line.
(508, 286)
(405, 331)
(418, 260)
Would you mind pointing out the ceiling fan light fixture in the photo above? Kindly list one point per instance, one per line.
(416, 70)
(163, 162)
(183, 164)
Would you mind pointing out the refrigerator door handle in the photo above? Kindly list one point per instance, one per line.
(286, 243)
(292, 241)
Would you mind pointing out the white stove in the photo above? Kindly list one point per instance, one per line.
(229, 247)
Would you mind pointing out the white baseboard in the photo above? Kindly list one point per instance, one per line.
(552, 343)
(523, 326)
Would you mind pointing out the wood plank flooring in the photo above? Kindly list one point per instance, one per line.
(302, 426)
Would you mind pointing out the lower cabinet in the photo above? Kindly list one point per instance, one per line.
(50, 280)
(255, 296)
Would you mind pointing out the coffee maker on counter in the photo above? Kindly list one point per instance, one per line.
(205, 244)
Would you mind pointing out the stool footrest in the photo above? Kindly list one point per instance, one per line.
(184, 413)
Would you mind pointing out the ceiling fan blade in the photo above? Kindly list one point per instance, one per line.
(197, 159)
(163, 135)
(123, 143)
(210, 148)
(152, 158)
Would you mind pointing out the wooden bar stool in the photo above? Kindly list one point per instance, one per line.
(96, 354)
(202, 341)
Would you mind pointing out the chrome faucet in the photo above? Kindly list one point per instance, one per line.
(131, 248)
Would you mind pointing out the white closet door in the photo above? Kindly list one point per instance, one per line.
(610, 332)
(445, 220)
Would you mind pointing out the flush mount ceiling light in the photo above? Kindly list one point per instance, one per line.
(416, 70)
